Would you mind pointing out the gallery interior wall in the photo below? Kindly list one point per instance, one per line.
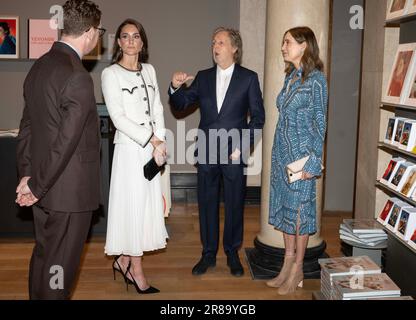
(179, 35)
(345, 75)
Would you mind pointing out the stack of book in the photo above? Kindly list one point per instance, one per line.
(344, 266)
(364, 286)
(364, 232)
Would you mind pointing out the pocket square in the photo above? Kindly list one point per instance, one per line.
(294, 170)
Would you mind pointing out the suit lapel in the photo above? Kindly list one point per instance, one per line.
(231, 89)
(212, 87)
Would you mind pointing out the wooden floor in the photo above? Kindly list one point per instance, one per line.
(169, 269)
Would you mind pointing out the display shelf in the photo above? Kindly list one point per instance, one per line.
(395, 23)
(398, 106)
(390, 147)
(396, 193)
(391, 233)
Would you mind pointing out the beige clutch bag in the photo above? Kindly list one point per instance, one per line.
(294, 169)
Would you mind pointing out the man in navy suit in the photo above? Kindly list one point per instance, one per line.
(226, 94)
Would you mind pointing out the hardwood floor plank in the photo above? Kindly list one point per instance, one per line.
(168, 269)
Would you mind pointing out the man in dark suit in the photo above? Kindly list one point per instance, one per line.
(225, 93)
(58, 153)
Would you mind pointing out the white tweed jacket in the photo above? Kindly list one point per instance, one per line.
(133, 102)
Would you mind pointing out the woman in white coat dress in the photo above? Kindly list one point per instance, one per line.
(135, 214)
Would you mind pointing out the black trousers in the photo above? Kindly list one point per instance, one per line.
(60, 239)
(234, 182)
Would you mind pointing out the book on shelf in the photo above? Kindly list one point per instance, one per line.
(384, 214)
(392, 298)
(392, 222)
(364, 286)
(401, 175)
(408, 138)
(362, 242)
(406, 224)
(363, 226)
(399, 130)
(362, 236)
(391, 125)
(412, 241)
(409, 183)
(41, 37)
(391, 170)
(348, 265)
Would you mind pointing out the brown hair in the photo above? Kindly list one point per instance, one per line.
(310, 60)
(236, 42)
(118, 54)
(80, 16)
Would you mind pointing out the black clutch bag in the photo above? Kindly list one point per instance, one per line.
(151, 169)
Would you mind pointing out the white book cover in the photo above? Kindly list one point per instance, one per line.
(382, 217)
(398, 132)
(353, 240)
(363, 226)
(412, 241)
(409, 184)
(391, 167)
(391, 126)
(398, 162)
(408, 138)
(370, 237)
(395, 211)
(409, 168)
(393, 220)
(406, 224)
(362, 236)
(348, 265)
(397, 180)
(366, 285)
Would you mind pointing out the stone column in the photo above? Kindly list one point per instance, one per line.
(281, 16)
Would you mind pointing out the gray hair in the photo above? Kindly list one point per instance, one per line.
(236, 42)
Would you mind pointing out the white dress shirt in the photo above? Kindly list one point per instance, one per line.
(223, 82)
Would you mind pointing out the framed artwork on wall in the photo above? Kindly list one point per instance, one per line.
(412, 7)
(95, 54)
(400, 74)
(41, 37)
(410, 93)
(9, 37)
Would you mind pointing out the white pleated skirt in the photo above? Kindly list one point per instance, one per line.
(136, 221)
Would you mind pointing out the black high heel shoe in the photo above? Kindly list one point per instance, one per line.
(140, 291)
(119, 269)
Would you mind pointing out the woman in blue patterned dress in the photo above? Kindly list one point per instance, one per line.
(300, 132)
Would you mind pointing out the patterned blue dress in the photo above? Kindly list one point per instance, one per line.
(300, 132)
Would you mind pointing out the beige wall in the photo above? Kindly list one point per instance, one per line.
(253, 32)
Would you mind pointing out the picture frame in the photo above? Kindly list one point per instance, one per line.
(96, 53)
(41, 37)
(397, 9)
(412, 241)
(410, 92)
(9, 37)
(412, 7)
(400, 74)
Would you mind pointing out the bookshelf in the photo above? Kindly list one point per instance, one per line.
(400, 256)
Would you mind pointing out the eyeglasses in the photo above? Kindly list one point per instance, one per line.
(101, 31)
